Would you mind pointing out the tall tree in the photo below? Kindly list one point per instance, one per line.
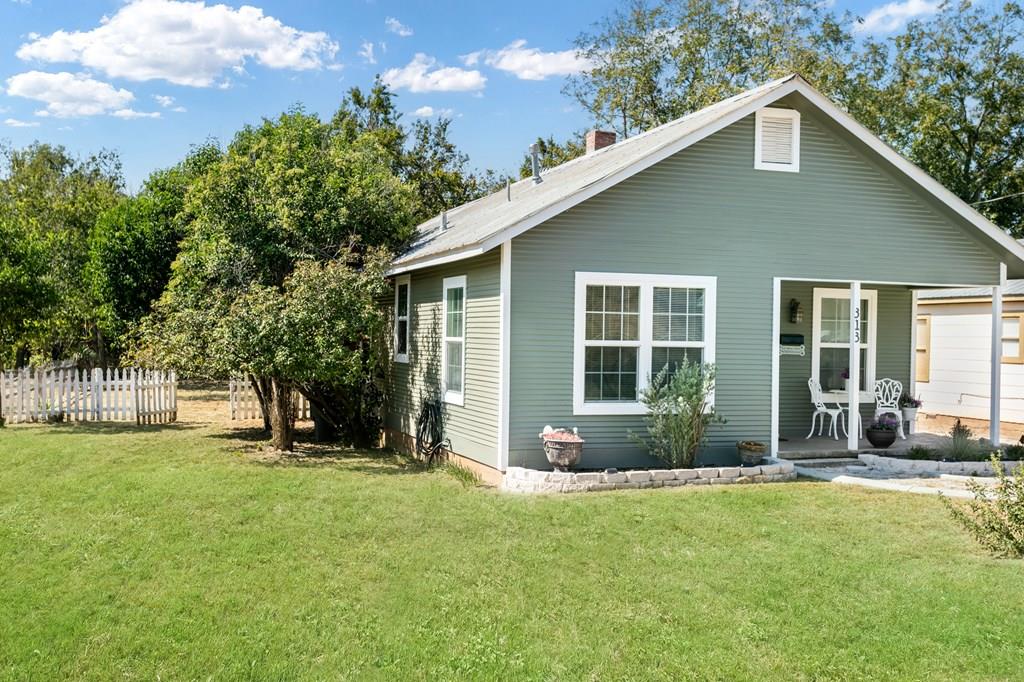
(948, 93)
(294, 211)
(53, 199)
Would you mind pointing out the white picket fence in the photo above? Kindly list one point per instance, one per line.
(130, 394)
(245, 405)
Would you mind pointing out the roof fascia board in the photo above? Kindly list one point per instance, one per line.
(639, 165)
(430, 261)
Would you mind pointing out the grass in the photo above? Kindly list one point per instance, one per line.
(180, 552)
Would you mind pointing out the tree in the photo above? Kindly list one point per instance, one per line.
(948, 93)
(53, 199)
(294, 211)
(652, 63)
(27, 294)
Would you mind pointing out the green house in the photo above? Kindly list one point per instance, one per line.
(737, 235)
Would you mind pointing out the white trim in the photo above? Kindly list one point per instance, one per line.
(794, 84)
(912, 388)
(505, 342)
(996, 379)
(866, 396)
(453, 397)
(776, 331)
(854, 296)
(794, 151)
(399, 281)
(646, 282)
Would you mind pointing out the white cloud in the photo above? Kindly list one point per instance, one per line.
(894, 15)
(67, 94)
(164, 100)
(529, 63)
(428, 112)
(366, 52)
(15, 123)
(187, 43)
(395, 26)
(419, 75)
(131, 113)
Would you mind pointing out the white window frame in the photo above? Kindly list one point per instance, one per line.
(647, 283)
(453, 397)
(770, 112)
(867, 392)
(405, 280)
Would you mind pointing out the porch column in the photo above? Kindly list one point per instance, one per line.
(995, 390)
(853, 388)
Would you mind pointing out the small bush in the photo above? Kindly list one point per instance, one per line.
(995, 517)
(921, 452)
(962, 446)
(678, 413)
(1013, 452)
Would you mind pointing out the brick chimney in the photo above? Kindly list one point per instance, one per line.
(599, 139)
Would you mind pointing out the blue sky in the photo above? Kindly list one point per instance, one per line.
(149, 78)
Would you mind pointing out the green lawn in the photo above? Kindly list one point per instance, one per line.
(176, 553)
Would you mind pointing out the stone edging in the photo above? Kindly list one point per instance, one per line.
(927, 466)
(520, 480)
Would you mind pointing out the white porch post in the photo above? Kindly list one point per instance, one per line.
(995, 390)
(853, 390)
(776, 312)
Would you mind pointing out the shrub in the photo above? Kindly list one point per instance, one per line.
(921, 452)
(678, 413)
(995, 517)
(962, 446)
(1013, 452)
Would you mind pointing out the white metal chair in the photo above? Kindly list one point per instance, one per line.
(887, 401)
(821, 410)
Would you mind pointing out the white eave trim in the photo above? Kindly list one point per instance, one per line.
(795, 84)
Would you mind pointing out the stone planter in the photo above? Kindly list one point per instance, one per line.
(751, 452)
(881, 438)
(563, 448)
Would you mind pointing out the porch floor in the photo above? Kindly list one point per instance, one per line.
(801, 447)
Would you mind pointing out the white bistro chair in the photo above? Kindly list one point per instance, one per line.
(821, 410)
(887, 401)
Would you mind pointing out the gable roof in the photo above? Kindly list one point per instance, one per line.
(479, 226)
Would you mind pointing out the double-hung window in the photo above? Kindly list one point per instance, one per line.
(830, 359)
(402, 306)
(453, 349)
(630, 327)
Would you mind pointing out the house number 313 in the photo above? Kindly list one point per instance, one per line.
(856, 324)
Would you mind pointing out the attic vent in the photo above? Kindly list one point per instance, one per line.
(777, 140)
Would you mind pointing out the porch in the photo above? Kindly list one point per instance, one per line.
(812, 325)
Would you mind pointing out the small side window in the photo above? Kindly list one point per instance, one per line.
(402, 306)
(777, 140)
(453, 350)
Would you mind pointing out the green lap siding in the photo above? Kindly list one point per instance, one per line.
(707, 211)
(473, 426)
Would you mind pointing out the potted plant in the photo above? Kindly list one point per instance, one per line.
(751, 452)
(846, 379)
(909, 405)
(882, 431)
(563, 448)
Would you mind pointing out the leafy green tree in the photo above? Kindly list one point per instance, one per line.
(287, 197)
(948, 93)
(26, 294)
(54, 200)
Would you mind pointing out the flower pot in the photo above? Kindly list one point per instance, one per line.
(910, 415)
(751, 452)
(881, 438)
(563, 455)
(846, 384)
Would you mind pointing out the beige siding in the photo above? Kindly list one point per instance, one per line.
(472, 427)
(961, 364)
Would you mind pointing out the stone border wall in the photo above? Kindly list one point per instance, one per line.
(926, 466)
(520, 480)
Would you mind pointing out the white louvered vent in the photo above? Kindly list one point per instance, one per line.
(777, 140)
